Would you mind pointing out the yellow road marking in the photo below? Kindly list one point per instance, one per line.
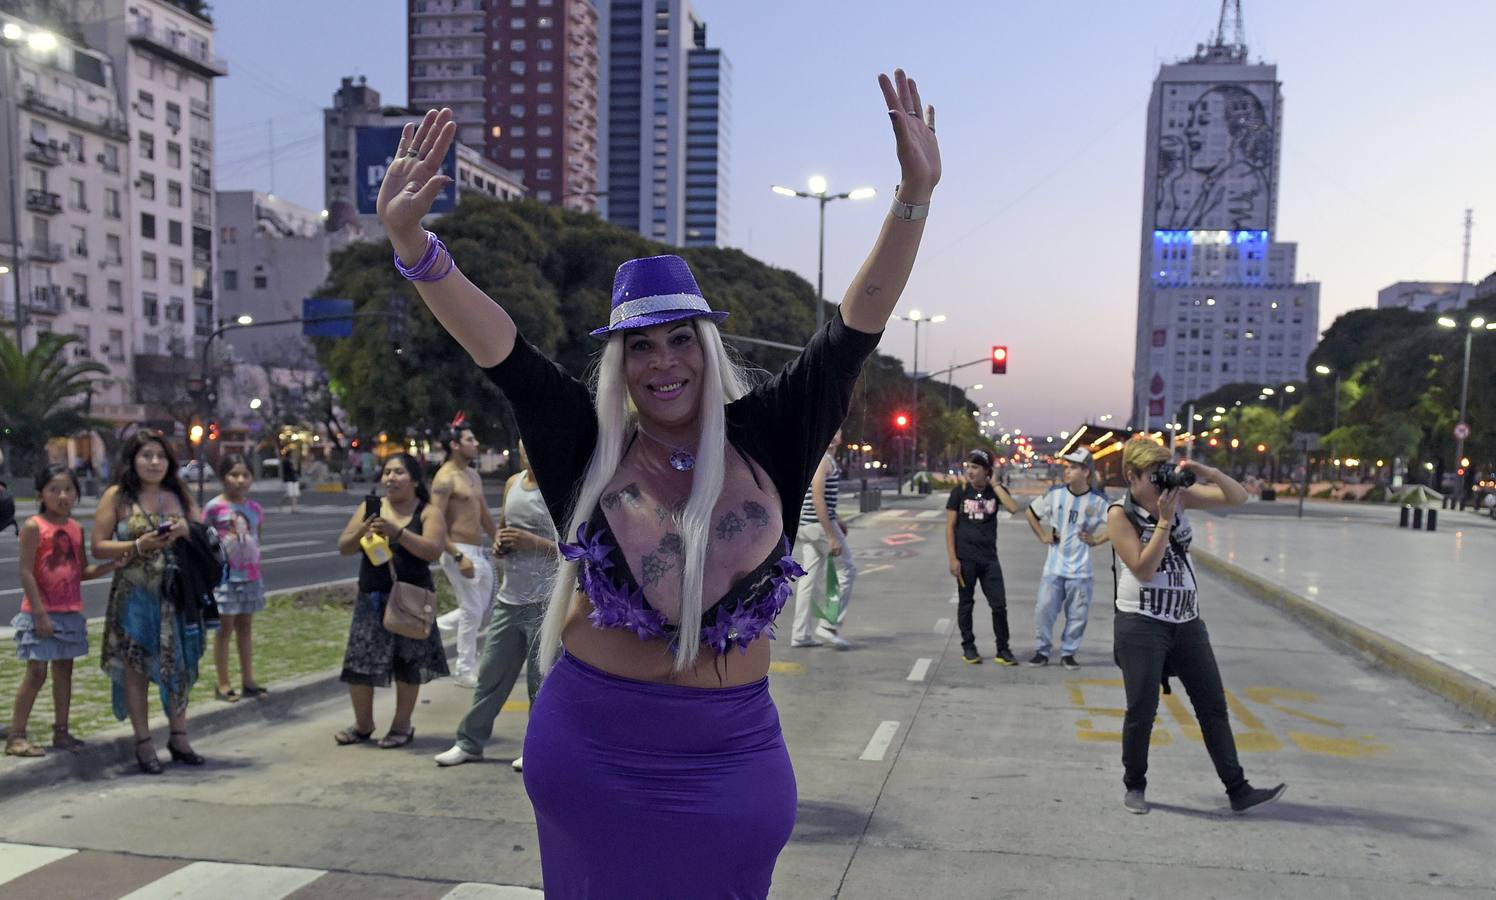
(787, 668)
(1344, 748)
(1269, 696)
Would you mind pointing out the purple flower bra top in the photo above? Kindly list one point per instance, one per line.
(746, 612)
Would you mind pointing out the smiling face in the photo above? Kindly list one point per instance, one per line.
(663, 367)
(152, 463)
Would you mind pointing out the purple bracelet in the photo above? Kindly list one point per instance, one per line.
(423, 269)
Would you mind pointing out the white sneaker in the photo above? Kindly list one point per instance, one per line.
(466, 681)
(832, 638)
(518, 764)
(456, 757)
(809, 642)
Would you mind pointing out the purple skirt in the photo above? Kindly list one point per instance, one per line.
(656, 791)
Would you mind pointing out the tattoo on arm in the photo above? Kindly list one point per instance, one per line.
(730, 525)
(672, 545)
(654, 567)
(756, 513)
(871, 289)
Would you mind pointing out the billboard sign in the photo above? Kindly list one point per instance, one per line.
(1217, 151)
(376, 145)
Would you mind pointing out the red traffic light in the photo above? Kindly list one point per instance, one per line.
(901, 421)
(999, 359)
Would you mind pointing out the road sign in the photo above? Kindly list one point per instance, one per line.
(1462, 431)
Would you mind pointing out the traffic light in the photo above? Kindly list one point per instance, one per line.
(212, 431)
(901, 421)
(1000, 360)
(195, 434)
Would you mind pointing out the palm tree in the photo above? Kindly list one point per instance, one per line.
(41, 396)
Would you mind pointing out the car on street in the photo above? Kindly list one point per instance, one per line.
(193, 468)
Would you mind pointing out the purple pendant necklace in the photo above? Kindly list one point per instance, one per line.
(681, 459)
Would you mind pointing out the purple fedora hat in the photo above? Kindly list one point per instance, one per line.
(653, 290)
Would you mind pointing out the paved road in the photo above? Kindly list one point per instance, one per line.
(918, 775)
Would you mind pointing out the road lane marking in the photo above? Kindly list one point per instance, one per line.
(956, 598)
(214, 879)
(921, 668)
(873, 569)
(882, 737)
(18, 859)
(266, 548)
(781, 667)
(942, 626)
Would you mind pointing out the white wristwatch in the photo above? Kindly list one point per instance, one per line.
(908, 212)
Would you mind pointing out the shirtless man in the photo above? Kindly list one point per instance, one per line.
(457, 491)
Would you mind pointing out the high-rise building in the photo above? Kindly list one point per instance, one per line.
(272, 254)
(1218, 300)
(666, 120)
(1426, 296)
(522, 81)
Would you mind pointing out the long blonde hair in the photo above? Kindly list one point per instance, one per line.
(617, 418)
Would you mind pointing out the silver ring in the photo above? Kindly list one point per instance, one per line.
(413, 154)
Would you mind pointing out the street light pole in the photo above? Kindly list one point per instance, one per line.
(818, 193)
(13, 147)
(1459, 440)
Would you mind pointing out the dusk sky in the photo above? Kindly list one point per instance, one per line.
(1033, 236)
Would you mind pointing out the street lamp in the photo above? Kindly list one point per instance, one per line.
(817, 185)
(1326, 370)
(918, 319)
(1477, 323)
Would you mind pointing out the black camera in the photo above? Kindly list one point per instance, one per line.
(1167, 478)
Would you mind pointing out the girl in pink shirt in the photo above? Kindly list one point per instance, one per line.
(50, 627)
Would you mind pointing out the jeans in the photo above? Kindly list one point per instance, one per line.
(1143, 646)
(1072, 593)
(512, 639)
(989, 573)
(815, 551)
(473, 598)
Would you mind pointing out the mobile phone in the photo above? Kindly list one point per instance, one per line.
(371, 506)
(163, 529)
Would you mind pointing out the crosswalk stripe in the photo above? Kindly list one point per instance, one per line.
(213, 880)
(491, 892)
(18, 859)
(882, 737)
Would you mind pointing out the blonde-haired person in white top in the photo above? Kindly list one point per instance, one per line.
(1158, 630)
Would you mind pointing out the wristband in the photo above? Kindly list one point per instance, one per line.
(434, 265)
(908, 212)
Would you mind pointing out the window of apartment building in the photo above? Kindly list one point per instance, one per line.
(145, 104)
(176, 271)
(111, 203)
(176, 310)
(231, 279)
(517, 45)
(545, 44)
(79, 238)
(38, 131)
(147, 143)
(260, 281)
(543, 131)
(516, 87)
(517, 110)
(147, 186)
(545, 22)
(173, 115)
(543, 196)
(545, 65)
(545, 87)
(174, 194)
(80, 290)
(151, 344)
(111, 158)
(112, 248)
(418, 70)
(147, 225)
(174, 154)
(543, 109)
(543, 152)
(517, 131)
(174, 232)
(148, 266)
(516, 152)
(228, 235)
(77, 195)
(542, 174)
(116, 348)
(114, 292)
(517, 67)
(150, 307)
(516, 3)
(516, 23)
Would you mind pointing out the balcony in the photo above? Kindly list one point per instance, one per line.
(46, 299)
(44, 251)
(177, 47)
(202, 178)
(432, 52)
(109, 125)
(111, 166)
(202, 219)
(202, 293)
(200, 107)
(80, 250)
(48, 154)
(43, 201)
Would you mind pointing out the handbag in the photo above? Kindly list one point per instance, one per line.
(410, 610)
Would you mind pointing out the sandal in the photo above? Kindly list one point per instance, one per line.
(62, 739)
(351, 735)
(254, 690)
(228, 696)
(17, 745)
(151, 766)
(395, 739)
(186, 757)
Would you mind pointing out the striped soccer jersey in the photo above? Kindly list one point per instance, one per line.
(1069, 514)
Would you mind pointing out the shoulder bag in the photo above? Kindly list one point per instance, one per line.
(410, 610)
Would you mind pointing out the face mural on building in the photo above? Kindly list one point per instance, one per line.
(1215, 158)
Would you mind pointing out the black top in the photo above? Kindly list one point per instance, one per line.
(976, 521)
(411, 568)
(288, 468)
(784, 423)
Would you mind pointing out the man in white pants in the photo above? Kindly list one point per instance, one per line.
(457, 491)
(822, 538)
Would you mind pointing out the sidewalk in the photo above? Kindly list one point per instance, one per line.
(1418, 602)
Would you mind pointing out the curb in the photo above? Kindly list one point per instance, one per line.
(1465, 691)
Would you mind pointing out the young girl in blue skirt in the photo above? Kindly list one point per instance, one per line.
(50, 629)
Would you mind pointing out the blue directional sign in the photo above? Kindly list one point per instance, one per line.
(376, 150)
(315, 312)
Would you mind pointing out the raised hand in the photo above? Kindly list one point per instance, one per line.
(914, 134)
(414, 179)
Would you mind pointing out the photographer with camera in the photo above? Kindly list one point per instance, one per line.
(1158, 630)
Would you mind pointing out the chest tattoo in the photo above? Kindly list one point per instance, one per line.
(730, 525)
(628, 495)
(757, 513)
(656, 564)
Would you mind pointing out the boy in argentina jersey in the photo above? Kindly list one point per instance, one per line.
(1070, 519)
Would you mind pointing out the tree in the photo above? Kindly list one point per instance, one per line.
(43, 394)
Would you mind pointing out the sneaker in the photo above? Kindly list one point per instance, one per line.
(808, 642)
(518, 764)
(466, 681)
(1069, 663)
(1256, 797)
(970, 655)
(1135, 803)
(1038, 659)
(456, 757)
(831, 637)
(1005, 657)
